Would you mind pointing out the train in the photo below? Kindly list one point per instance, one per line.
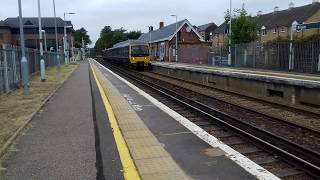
(132, 53)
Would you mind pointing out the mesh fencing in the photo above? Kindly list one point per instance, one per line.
(10, 63)
(305, 56)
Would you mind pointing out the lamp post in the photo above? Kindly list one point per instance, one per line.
(24, 62)
(56, 33)
(72, 48)
(42, 63)
(66, 55)
(150, 31)
(291, 56)
(230, 35)
(45, 40)
(176, 36)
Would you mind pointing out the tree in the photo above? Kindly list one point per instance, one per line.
(244, 26)
(109, 37)
(134, 34)
(78, 35)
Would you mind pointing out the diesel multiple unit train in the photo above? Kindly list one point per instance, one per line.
(132, 53)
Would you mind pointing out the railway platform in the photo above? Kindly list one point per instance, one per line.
(154, 142)
(297, 90)
(100, 126)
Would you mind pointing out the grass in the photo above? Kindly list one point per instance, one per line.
(16, 109)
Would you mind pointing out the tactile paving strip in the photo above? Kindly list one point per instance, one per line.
(151, 159)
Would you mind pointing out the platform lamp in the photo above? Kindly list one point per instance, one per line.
(24, 61)
(66, 55)
(150, 31)
(230, 35)
(56, 33)
(42, 62)
(176, 36)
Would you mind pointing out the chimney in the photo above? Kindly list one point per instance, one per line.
(259, 13)
(291, 5)
(315, 1)
(161, 24)
(150, 28)
(276, 9)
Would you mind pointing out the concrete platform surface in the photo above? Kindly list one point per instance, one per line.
(68, 139)
(147, 129)
(290, 78)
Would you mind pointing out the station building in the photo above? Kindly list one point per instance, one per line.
(10, 32)
(277, 24)
(192, 47)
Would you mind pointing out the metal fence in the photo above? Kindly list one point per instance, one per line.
(271, 56)
(10, 58)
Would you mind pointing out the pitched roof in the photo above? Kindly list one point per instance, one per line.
(286, 17)
(166, 32)
(3, 24)
(205, 26)
(47, 22)
(282, 18)
(221, 29)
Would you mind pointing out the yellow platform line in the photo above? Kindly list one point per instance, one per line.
(129, 168)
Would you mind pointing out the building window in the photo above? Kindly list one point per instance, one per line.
(264, 32)
(274, 30)
(283, 29)
(1, 35)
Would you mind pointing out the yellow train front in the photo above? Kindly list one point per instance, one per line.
(131, 53)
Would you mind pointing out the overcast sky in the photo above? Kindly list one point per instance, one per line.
(137, 14)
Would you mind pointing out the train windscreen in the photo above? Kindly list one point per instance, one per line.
(139, 51)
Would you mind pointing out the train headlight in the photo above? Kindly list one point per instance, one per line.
(132, 58)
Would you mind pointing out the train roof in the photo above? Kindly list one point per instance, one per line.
(129, 42)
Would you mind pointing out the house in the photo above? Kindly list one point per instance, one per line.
(207, 30)
(10, 31)
(191, 46)
(277, 24)
(5, 33)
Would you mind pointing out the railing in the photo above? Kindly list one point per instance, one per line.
(10, 58)
(271, 56)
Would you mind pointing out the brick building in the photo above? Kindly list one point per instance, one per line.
(191, 46)
(277, 24)
(5, 33)
(10, 32)
(207, 30)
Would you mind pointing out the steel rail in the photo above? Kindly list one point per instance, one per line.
(289, 151)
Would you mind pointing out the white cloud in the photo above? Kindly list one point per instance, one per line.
(137, 14)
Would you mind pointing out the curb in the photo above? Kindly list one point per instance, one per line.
(8, 143)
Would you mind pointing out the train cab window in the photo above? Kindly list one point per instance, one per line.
(139, 51)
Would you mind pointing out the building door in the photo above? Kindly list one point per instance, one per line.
(162, 51)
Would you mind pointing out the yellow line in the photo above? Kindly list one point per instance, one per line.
(129, 168)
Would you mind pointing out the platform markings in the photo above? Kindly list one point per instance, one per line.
(129, 169)
(250, 166)
(134, 105)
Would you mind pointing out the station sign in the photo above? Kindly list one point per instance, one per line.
(313, 25)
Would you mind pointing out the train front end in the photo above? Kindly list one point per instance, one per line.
(140, 56)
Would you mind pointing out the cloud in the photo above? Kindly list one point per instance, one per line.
(137, 14)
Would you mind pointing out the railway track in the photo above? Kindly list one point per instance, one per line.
(283, 157)
(287, 114)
